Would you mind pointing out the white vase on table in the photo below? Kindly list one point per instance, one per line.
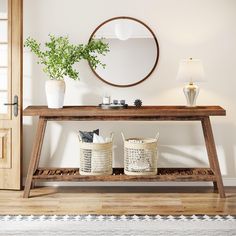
(55, 92)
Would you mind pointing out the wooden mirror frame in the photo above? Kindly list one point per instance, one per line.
(154, 37)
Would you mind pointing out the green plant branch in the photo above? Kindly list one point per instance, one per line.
(60, 55)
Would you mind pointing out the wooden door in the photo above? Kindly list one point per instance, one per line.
(10, 93)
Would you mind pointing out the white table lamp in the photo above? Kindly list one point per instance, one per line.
(191, 70)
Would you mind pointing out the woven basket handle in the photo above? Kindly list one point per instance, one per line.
(80, 139)
(112, 136)
(156, 137)
(123, 137)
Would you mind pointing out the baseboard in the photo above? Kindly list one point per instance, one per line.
(226, 181)
(229, 181)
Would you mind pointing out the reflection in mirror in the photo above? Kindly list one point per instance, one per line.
(133, 51)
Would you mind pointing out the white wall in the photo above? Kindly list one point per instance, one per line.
(203, 29)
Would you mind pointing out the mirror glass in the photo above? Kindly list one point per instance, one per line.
(133, 51)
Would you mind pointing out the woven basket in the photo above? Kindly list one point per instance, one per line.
(96, 158)
(140, 156)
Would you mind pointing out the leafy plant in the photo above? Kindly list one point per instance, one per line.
(59, 55)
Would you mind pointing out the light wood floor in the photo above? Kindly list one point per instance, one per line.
(119, 200)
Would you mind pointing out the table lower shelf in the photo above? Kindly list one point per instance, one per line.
(164, 174)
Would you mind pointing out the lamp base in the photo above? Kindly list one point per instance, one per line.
(191, 92)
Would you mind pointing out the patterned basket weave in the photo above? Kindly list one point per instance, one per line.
(140, 156)
(96, 158)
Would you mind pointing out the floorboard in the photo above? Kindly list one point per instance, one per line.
(119, 200)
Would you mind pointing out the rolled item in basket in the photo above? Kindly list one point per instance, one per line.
(101, 159)
(100, 139)
(87, 136)
(139, 165)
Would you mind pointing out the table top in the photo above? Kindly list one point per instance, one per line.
(130, 112)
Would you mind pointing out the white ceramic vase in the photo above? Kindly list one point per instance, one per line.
(55, 91)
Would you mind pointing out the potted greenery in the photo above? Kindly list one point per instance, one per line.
(58, 59)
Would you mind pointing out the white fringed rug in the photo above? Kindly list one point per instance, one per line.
(90, 225)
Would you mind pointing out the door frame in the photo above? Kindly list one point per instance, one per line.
(11, 177)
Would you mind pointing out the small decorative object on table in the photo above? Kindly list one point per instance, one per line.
(138, 103)
(122, 102)
(106, 100)
(114, 105)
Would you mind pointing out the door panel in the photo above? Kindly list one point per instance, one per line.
(5, 148)
(3, 100)
(5, 58)
(3, 31)
(3, 54)
(10, 86)
(3, 9)
(3, 79)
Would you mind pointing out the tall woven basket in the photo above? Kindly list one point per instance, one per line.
(96, 158)
(140, 156)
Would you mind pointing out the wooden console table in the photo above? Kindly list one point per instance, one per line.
(146, 113)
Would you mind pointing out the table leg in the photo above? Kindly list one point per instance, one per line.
(212, 154)
(37, 160)
(35, 156)
(205, 132)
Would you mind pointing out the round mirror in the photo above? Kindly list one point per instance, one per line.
(133, 54)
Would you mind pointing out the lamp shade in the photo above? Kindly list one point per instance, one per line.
(191, 70)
